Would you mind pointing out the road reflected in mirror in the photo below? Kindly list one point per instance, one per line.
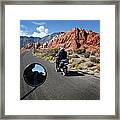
(34, 74)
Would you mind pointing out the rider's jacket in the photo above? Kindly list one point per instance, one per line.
(62, 55)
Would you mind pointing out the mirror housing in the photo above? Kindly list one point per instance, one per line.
(35, 74)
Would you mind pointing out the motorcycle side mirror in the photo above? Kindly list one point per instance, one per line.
(34, 74)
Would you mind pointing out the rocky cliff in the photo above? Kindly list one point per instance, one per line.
(76, 38)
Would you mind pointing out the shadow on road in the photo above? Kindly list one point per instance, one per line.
(74, 73)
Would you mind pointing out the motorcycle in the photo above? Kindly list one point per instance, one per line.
(62, 67)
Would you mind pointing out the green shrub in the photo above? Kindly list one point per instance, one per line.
(53, 52)
(70, 53)
(49, 58)
(89, 64)
(82, 61)
(72, 65)
(74, 56)
(87, 54)
(80, 50)
(78, 67)
(98, 67)
(35, 51)
(43, 55)
(75, 66)
(94, 59)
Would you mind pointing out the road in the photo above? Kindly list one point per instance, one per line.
(75, 86)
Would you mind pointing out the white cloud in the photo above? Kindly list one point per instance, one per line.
(23, 33)
(39, 23)
(40, 29)
(41, 32)
(46, 30)
(35, 34)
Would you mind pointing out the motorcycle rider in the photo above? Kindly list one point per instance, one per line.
(62, 54)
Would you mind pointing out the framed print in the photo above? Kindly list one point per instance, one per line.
(60, 59)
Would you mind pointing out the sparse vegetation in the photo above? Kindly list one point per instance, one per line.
(53, 52)
(80, 50)
(49, 58)
(35, 52)
(89, 64)
(74, 56)
(98, 67)
(84, 61)
(46, 54)
(75, 66)
(94, 59)
(87, 54)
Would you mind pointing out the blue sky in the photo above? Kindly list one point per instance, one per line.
(41, 28)
(39, 68)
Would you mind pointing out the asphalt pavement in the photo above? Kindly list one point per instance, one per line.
(74, 86)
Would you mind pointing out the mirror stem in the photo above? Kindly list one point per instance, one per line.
(28, 93)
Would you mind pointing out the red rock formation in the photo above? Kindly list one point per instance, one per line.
(69, 39)
(75, 38)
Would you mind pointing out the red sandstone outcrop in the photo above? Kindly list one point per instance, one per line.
(75, 38)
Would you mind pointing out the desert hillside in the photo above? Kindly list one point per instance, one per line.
(83, 49)
(76, 38)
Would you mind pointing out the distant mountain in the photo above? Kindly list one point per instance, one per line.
(49, 37)
(25, 40)
(72, 40)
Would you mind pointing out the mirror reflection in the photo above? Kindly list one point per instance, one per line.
(34, 74)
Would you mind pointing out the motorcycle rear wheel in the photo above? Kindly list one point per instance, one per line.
(64, 71)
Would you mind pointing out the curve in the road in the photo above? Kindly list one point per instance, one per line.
(58, 87)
